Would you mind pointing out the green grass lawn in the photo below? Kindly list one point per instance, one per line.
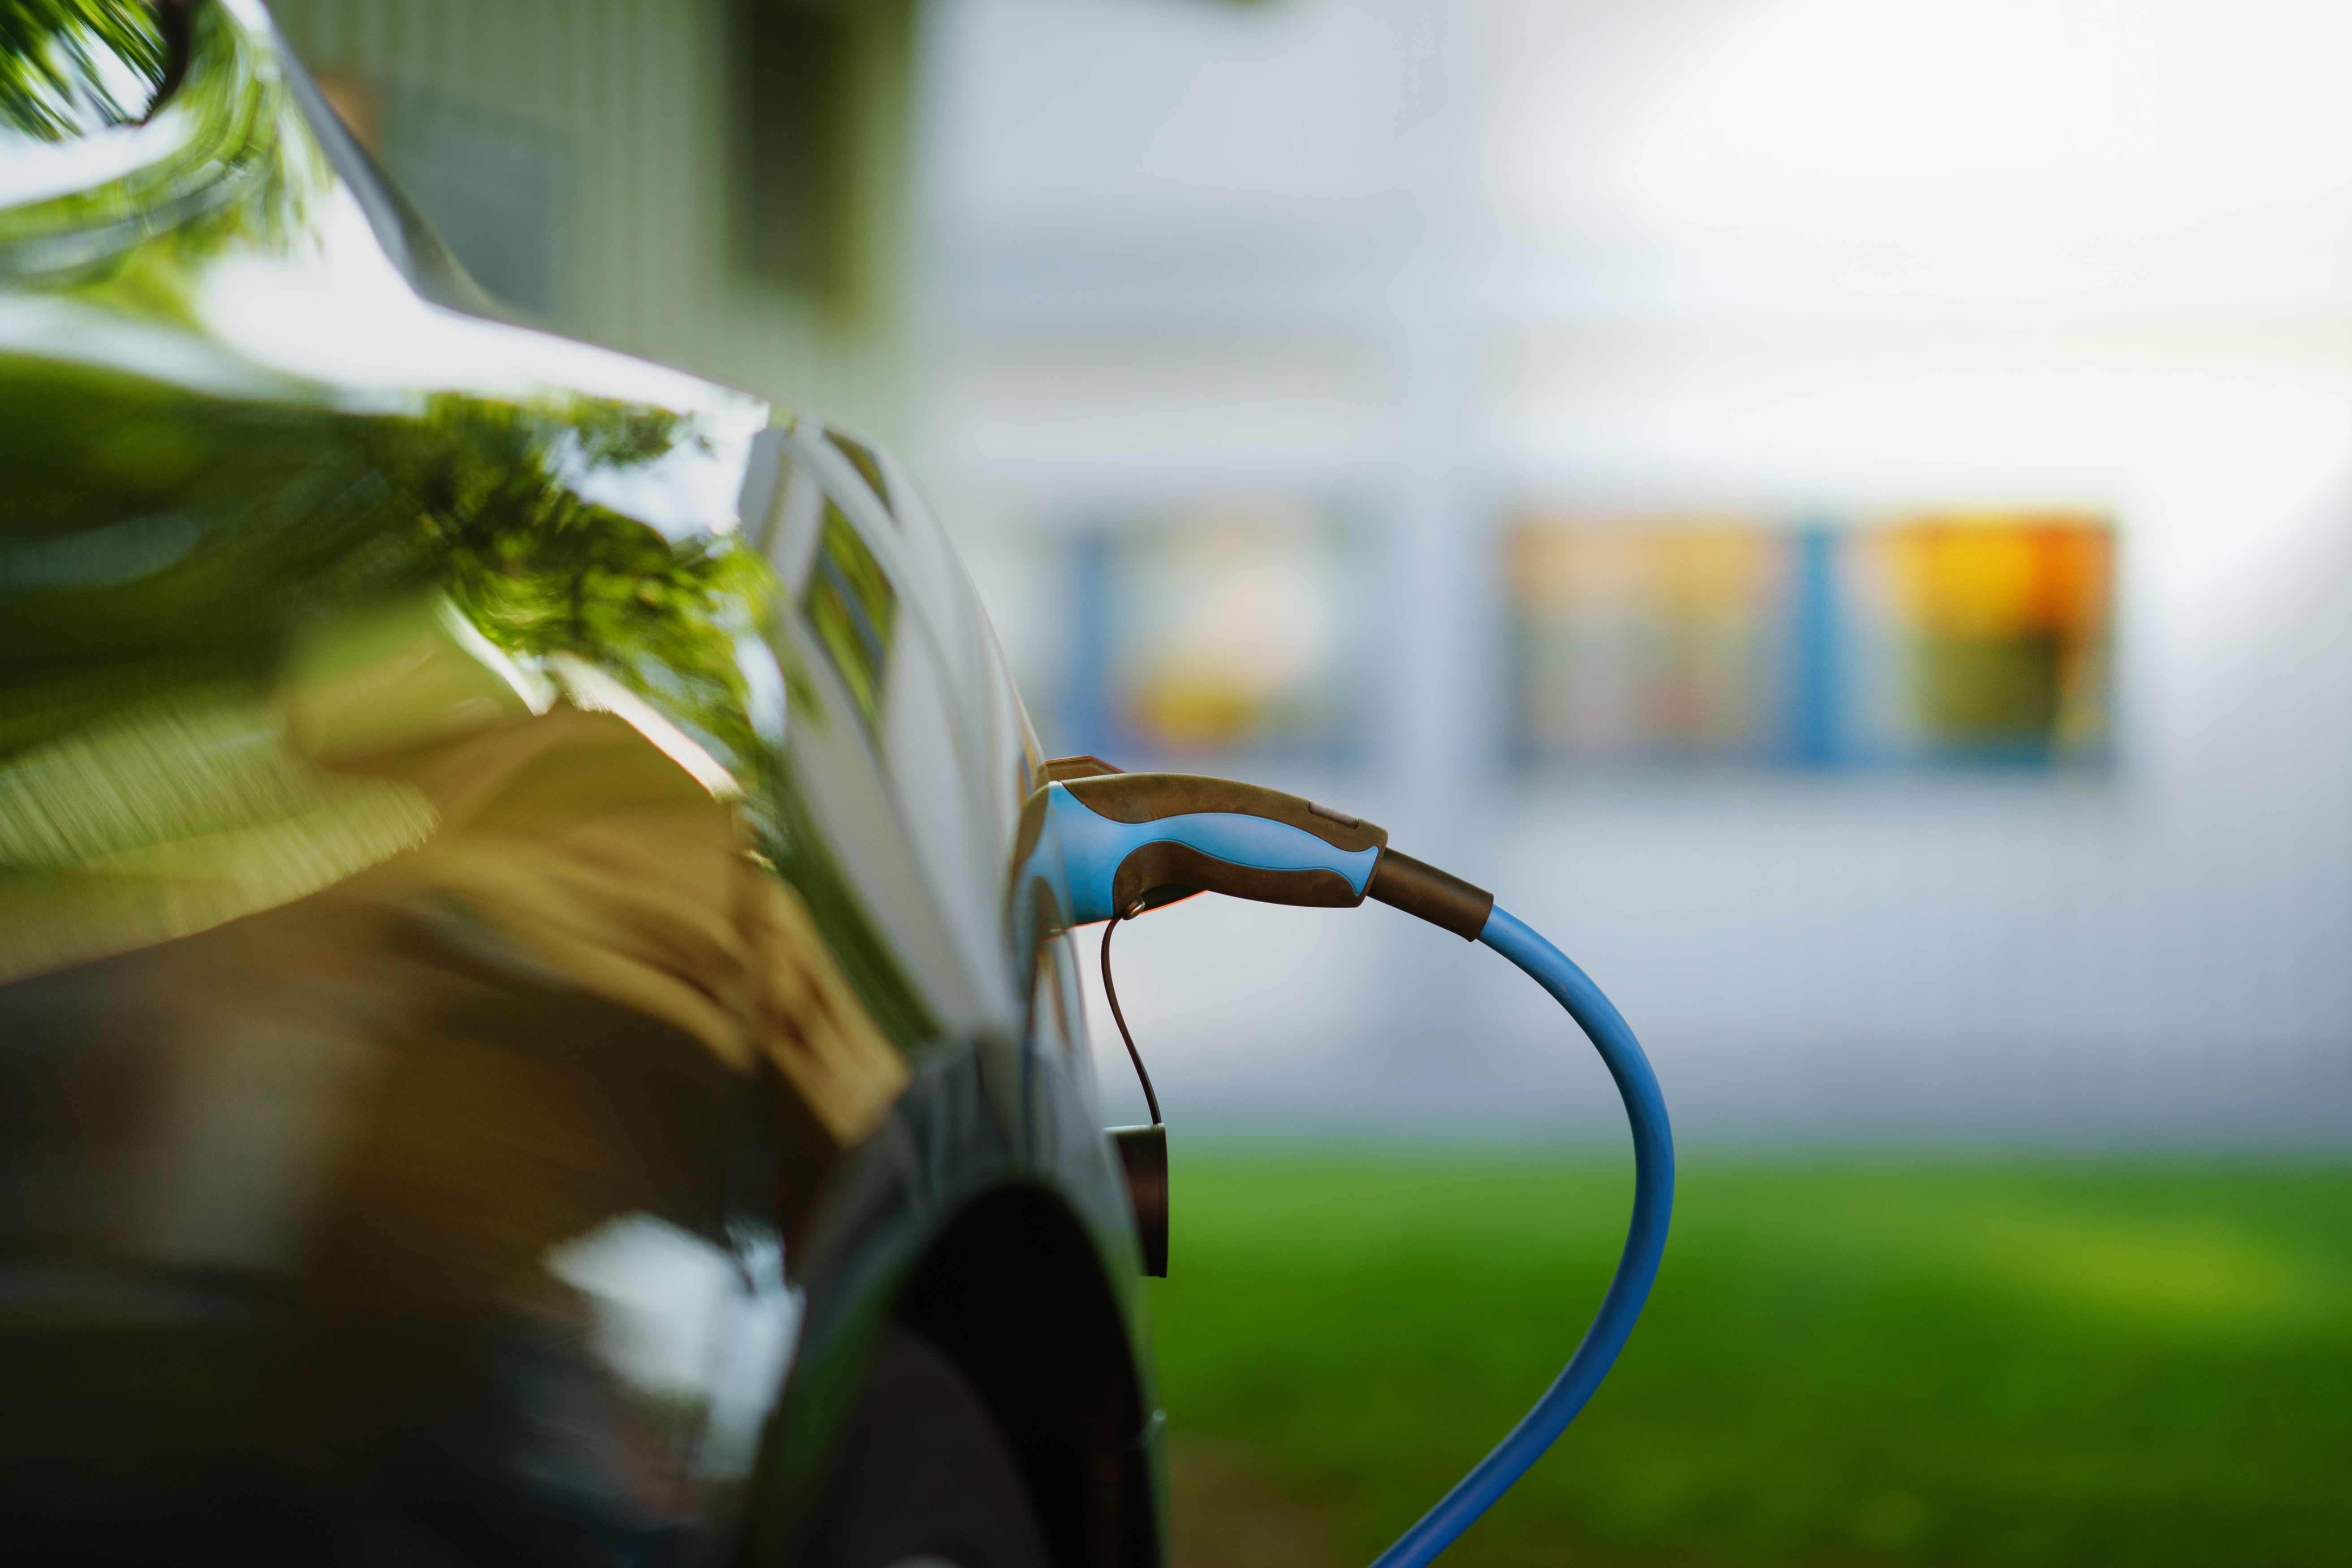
(1865, 1363)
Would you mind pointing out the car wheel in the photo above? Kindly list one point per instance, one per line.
(924, 1473)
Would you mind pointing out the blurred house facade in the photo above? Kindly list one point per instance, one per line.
(1556, 347)
(722, 185)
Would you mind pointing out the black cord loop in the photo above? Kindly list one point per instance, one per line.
(1111, 991)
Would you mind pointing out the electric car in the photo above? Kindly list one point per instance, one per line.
(518, 1042)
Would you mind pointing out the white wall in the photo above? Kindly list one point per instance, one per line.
(1451, 258)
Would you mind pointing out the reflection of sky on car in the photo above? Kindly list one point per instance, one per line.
(672, 1315)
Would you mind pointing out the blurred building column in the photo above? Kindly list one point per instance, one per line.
(1438, 735)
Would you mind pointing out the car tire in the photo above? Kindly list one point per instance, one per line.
(924, 1473)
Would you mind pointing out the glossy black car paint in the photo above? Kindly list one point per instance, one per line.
(246, 402)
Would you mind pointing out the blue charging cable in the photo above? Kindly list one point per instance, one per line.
(1645, 1244)
(1107, 847)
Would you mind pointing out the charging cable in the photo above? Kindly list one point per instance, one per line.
(1109, 847)
(1645, 1244)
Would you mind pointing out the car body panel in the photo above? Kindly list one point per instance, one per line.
(298, 533)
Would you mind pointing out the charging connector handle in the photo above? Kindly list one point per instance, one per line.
(1151, 837)
(1125, 838)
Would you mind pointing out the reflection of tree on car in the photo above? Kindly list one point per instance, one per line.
(512, 1041)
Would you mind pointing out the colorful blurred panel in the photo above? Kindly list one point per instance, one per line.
(1231, 630)
(1982, 637)
(1662, 638)
(1959, 638)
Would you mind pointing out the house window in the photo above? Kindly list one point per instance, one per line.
(1218, 633)
(1960, 638)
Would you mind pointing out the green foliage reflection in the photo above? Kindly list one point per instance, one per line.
(133, 243)
(542, 570)
(160, 538)
(50, 53)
